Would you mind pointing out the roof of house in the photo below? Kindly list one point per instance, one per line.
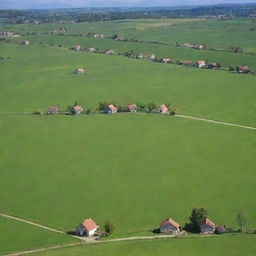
(109, 51)
(80, 69)
(201, 62)
(166, 59)
(169, 220)
(78, 107)
(244, 68)
(53, 108)
(91, 49)
(89, 224)
(112, 107)
(163, 107)
(207, 222)
(132, 106)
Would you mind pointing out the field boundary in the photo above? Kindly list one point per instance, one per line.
(216, 122)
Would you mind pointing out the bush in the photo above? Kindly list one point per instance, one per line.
(109, 227)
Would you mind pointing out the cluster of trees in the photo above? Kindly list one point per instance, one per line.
(106, 14)
(236, 49)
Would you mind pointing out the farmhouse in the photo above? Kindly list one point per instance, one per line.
(163, 109)
(166, 60)
(150, 56)
(75, 110)
(168, 226)
(109, 52)
(120, 39)
(26, 42)
(77, 48)
(98, 36)
(91, 49)
(87, 228)
(79, 71)
(110, 109)
(132, 108)
(53, 110)
(244, 69)
(201, 63)
(207, 227)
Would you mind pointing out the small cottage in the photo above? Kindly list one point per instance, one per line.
(207, 227)
(98, 36)
(79, 71)
(165, 60)
(169, 226)
(120, 39)
(53, 110)
(244, 69)
(163, 109)
(77, 47)
(110, 109)
(75, 110)
(87, 228)
(26, 42)
(91, 49)
(150, 56)
(132, 108)
(109, 52)
(201, 63)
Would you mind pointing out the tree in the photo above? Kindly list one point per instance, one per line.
(115, 36)
(141, 107)
(109, 227)
(151, 106)
(241, 221)
(197, 216)
(102, 105)
(231, 68)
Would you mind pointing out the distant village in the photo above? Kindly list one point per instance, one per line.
(202, 64)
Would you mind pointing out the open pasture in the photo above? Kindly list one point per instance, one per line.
(38, 76)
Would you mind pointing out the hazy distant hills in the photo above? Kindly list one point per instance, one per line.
(46, 4)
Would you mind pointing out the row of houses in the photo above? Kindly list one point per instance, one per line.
(109, 109)
(89, 227)
(9, 34)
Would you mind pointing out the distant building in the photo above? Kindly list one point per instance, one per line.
(109, 52)
(207, 227)
(132, 108)
(212, 65)
(26, 42)
(187, 63)
(120, 39)
(53, 110)
(79, 71)
(98, 36)
(244, 69)
(201, 63)
(87, 228)
(165, 60)
(163, 109)
(91, 49)
(77, 47)
(110, 109)
(9, 34)
(168, 226)
(146, 56)
(76, 110)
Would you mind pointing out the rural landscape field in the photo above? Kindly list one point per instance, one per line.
(189, 144)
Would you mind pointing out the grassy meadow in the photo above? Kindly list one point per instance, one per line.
(36, 77)
(17, 236)
(237, 245)
(135, 169)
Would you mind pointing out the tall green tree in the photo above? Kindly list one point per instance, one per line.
(196, 217)
(109, 227)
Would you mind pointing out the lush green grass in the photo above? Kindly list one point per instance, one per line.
(134, 169)
(36, 77)
(18, 236)
(234, 245)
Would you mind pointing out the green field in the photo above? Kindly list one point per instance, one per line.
(17, 236)
(135, 169)
(237, 245)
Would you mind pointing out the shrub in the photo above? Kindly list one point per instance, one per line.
(109, 227)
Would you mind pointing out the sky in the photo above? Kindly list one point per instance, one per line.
(4, 4)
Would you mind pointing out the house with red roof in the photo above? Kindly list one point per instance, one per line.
(53, 110)
(79, 71)
(169, 226)
(87, 228)
(110, 109)
(207, 226)
(201, 63)
(244, 69)
(77, 47)
(26, 42)
(132, 108)
(75, 110)
(165, 60)
(109, 52)
(91, 49)
(163, 109)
